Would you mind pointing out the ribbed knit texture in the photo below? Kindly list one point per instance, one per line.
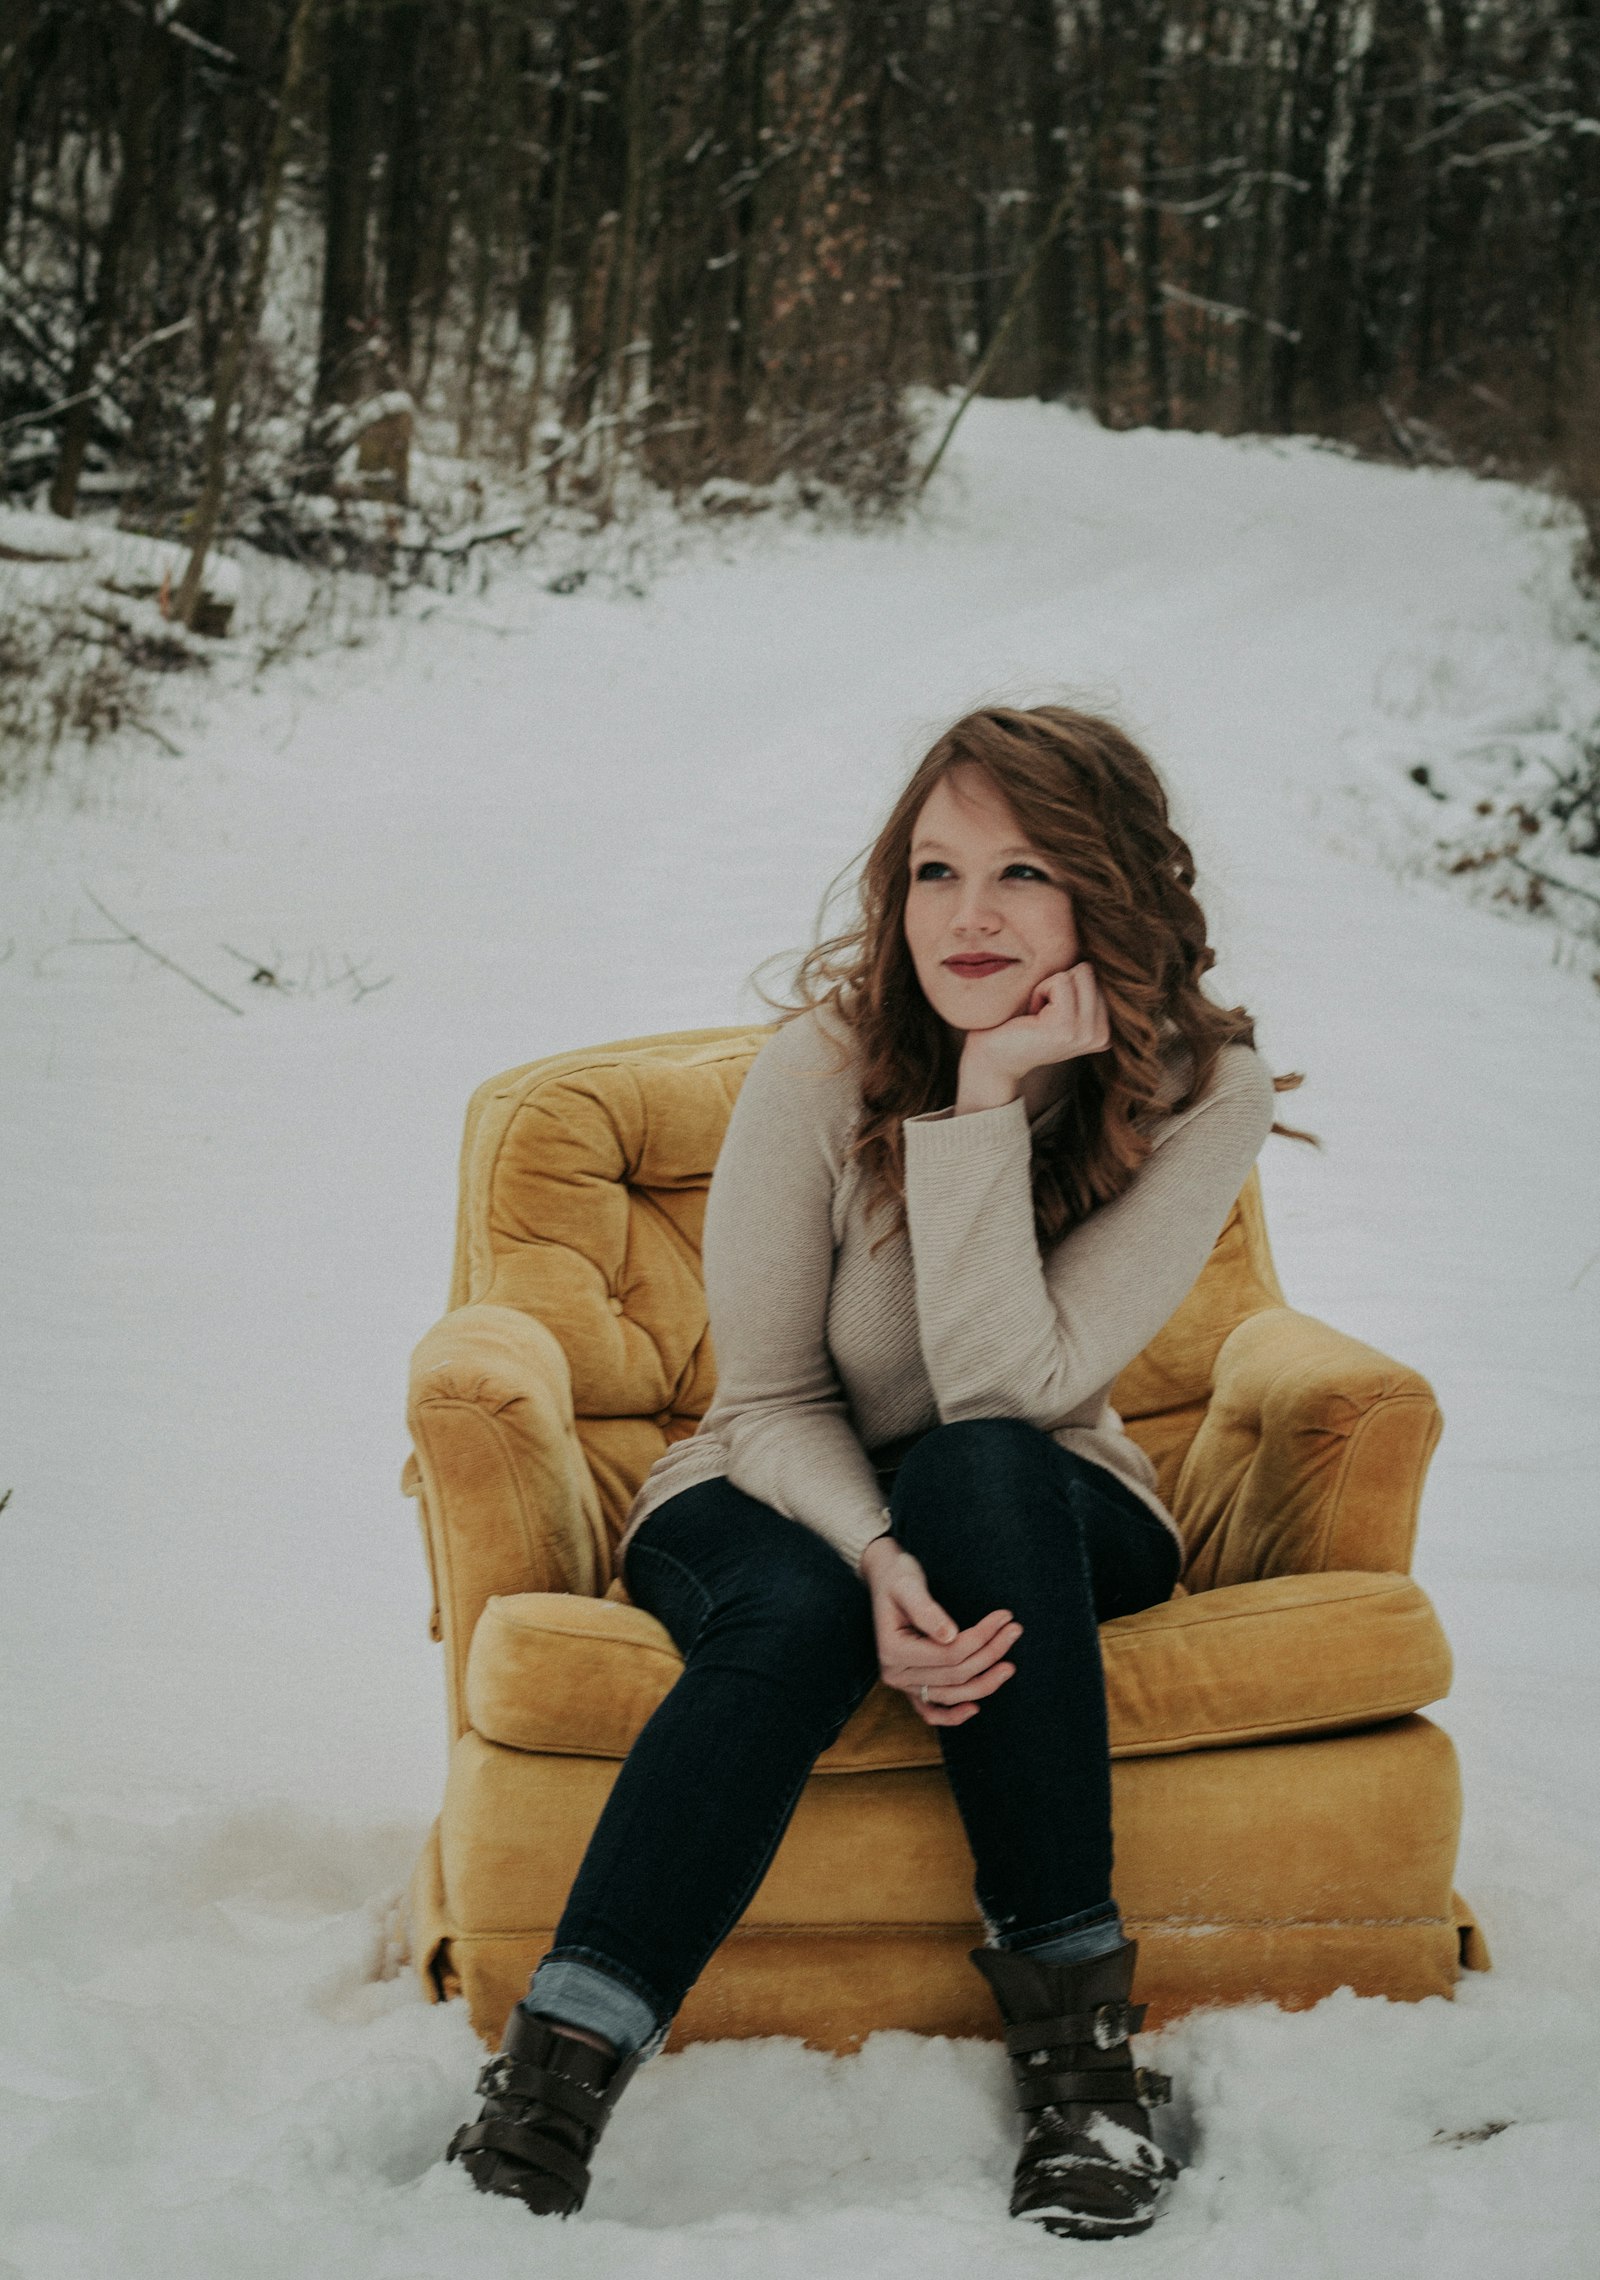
(828, 1349)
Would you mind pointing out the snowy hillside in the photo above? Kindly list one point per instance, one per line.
(534, 820)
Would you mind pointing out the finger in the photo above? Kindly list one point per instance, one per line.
(1084, 991)
(1058, 1007)
(1054, 994)
(974, 1690)
(1095, 1013)
(974, 1665)
(915, 1669)
(912, 1598)
(980, 1637)
(1094, 997)
(944, 1713)
(1079, 1008)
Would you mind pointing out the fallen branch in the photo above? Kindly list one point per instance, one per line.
(148, 728)
(1228, 312)
(1548, 879)
(997, 339)
(96, 387)
(127, 934)
(267, 977)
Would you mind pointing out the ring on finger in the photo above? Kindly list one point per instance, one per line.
(924, 1693)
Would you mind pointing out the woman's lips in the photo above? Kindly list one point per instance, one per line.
(974, 969)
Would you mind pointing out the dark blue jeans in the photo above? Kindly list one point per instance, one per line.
(776, 1635)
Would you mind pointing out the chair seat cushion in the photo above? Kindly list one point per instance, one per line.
(1298, 1654)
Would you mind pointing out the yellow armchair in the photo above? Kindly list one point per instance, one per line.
(1285, 1821)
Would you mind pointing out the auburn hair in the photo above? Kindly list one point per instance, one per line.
(1092, 803)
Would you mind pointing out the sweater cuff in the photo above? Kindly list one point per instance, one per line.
(943, 1137)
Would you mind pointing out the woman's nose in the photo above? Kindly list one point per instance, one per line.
(975, 913)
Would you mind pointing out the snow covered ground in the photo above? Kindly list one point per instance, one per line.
(541, 820)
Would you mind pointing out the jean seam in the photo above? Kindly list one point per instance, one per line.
(670, 1559)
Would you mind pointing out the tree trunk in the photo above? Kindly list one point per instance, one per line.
(140, 107)
(1152, 70)
(1095, 107)
(403, 195)
(208, 512)
(1054, 297)
(342, 350)
(630, 223)
(21, 17)
(537, 316)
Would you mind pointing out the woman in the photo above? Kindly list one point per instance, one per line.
(960, 1190)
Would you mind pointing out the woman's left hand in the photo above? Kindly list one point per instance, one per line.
(944, 1673)
(1066, 1017)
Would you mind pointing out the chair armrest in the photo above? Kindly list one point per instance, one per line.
(507, 1500)
(1310, 1458)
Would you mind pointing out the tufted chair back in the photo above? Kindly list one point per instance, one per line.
(582, 1196)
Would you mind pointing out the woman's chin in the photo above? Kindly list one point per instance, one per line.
(969, 1018)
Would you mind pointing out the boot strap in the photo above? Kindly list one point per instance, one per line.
(1104, 2086)
(506, 2077)
(1106, 2026)
(520, 2143)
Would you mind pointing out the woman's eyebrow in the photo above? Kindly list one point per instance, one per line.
(938, 847)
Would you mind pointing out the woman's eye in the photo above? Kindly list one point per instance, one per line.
(931, 870)
(1025, 871)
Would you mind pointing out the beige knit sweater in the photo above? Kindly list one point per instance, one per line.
(828, 1350)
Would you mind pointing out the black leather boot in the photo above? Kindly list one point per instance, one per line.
(546, 2099)
(1089, 2167)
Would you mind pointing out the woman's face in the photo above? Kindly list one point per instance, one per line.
(987, 917)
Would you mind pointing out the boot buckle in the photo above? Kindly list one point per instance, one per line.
(493, 2075)
(1111, 2025)
(1154, 2089)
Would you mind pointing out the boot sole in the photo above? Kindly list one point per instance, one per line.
(1073, 2225)
(1084, 2224)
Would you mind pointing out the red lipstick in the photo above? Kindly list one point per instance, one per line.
(977, 965)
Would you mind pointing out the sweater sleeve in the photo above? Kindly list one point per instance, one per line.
(768, 1257)
(1007, 1334)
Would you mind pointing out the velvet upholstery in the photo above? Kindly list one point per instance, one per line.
(1285, 1822)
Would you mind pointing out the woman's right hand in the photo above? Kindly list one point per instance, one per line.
(919, 1647)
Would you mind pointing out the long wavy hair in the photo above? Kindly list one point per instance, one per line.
(1090, 801)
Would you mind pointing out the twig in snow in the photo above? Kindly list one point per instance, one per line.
(319, 976)
(126, 934)
(147, 728)
(267, 976)
(1548, 879)
(1592, 1260)
(362, 988)
(1397, 429)
(5, 1500)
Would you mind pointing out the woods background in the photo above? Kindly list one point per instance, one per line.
(718, 238)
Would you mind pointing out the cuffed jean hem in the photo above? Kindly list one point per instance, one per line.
(577, 1993)
(1075, 1939)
